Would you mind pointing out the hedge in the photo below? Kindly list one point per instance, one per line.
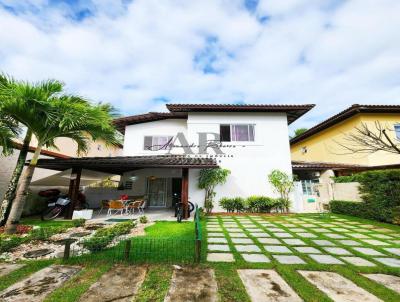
(253, 204)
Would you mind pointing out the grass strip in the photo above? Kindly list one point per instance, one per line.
(156, 284)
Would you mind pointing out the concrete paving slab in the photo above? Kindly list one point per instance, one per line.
(392, 262)
(294, 241)
(375, 242)
(218, 247)
(349, 242)
(297, 230)
(203, 286)
(289, 259)
(282, 235)
(337, 251)
(234, 230)
(267, 286)
(217, 240)
(325, 259)
(269, 240)
(242, 240)
(381, 236)
(279, 249)
(323, 243)
(359, 236)
(247, 248)
(220, 257)
(215, 234)
(37, 286)
(357, 261)
(6, 268)
(392, 282)
(395, 251)
(321, 230)
(335, 236)
(275, 230)
(306, 235)
(307, 250)
(120, 283)
(260, 235)
(337, 287)
(238, 235)
(255, 258)
(367, 251)
(340, 230)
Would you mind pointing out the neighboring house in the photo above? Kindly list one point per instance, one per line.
(164, 152)
(317, 154)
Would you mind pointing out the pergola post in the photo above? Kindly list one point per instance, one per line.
(185, 192)
(73, 191)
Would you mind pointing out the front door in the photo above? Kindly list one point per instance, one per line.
(157, 192)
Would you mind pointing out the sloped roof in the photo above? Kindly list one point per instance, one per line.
(345, 114)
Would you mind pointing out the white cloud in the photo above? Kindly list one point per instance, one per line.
(333, 53)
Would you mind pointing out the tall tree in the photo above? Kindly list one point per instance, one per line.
(66, 116)
(29, 102)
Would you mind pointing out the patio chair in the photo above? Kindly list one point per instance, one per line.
(130, 208)
(116, 206)
(105, 204)
(142, 206)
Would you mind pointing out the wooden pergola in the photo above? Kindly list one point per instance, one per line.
(121, 164)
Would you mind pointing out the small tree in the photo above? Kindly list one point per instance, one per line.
(283, 184)
(208, 180)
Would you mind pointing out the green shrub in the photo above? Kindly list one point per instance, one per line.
(103, 237)
(261, 204)
(9, 242)
(45, 233)
(78, 222)
(143, 219)
(347, 178)
(232, 204)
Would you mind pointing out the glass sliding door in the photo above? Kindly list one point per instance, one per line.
(157, 192)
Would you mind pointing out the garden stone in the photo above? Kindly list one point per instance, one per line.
(297, 230)
(260, 235)
(392, 282)
(268, 240)
(349, 242)
(382, 230)
(120, 283)
(367, 251)
(294, 241)
(218, 247)
(234, 230)
(242, 240)
(337, 250)
(362, 230)
(220, 257)
(309, 225)
(274, 230)
(267, 286)
(307, 250)
(260, 258)
(306, 235)
(254, 230)
(323, 243)
(375, 242)
(215, 234)
(37, 286)
(217, 240)
(340, 230)
(382, 236)
(38, 253)
(288, 259)
(357, 261)
(325, 259)
(203, 286)
(247, 248)
(395, 251)
(277, 249)
(321, 230)
(393, 262)
(6, 268)
(282, 235)
(358, 236)
(334, 236)
(238, 235)
(337, 287)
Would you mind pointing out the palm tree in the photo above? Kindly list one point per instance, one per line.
(28, 101)
(9, 131)
(66, 116)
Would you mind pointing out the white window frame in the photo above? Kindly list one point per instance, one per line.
(169, 137)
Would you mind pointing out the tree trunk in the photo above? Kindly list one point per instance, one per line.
(22, 193)
(12, 186)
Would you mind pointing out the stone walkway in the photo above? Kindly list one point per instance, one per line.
(301, 240)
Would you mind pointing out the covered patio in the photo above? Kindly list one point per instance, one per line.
(161, 181)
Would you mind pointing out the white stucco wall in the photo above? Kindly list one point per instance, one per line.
(249, 162)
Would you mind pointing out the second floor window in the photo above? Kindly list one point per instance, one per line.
(397, 130)
(237, 133)
(155, 143)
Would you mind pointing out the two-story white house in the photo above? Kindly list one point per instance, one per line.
(164, 152)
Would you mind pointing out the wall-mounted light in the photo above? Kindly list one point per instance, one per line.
(304, 150)
(152, 178)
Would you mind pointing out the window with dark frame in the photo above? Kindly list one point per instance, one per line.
(236, 132)
(155, 143)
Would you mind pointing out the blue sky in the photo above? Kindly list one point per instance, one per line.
(141, 54)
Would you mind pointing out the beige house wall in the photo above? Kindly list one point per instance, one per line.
(346, 191)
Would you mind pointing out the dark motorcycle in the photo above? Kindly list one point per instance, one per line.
(180, 208)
